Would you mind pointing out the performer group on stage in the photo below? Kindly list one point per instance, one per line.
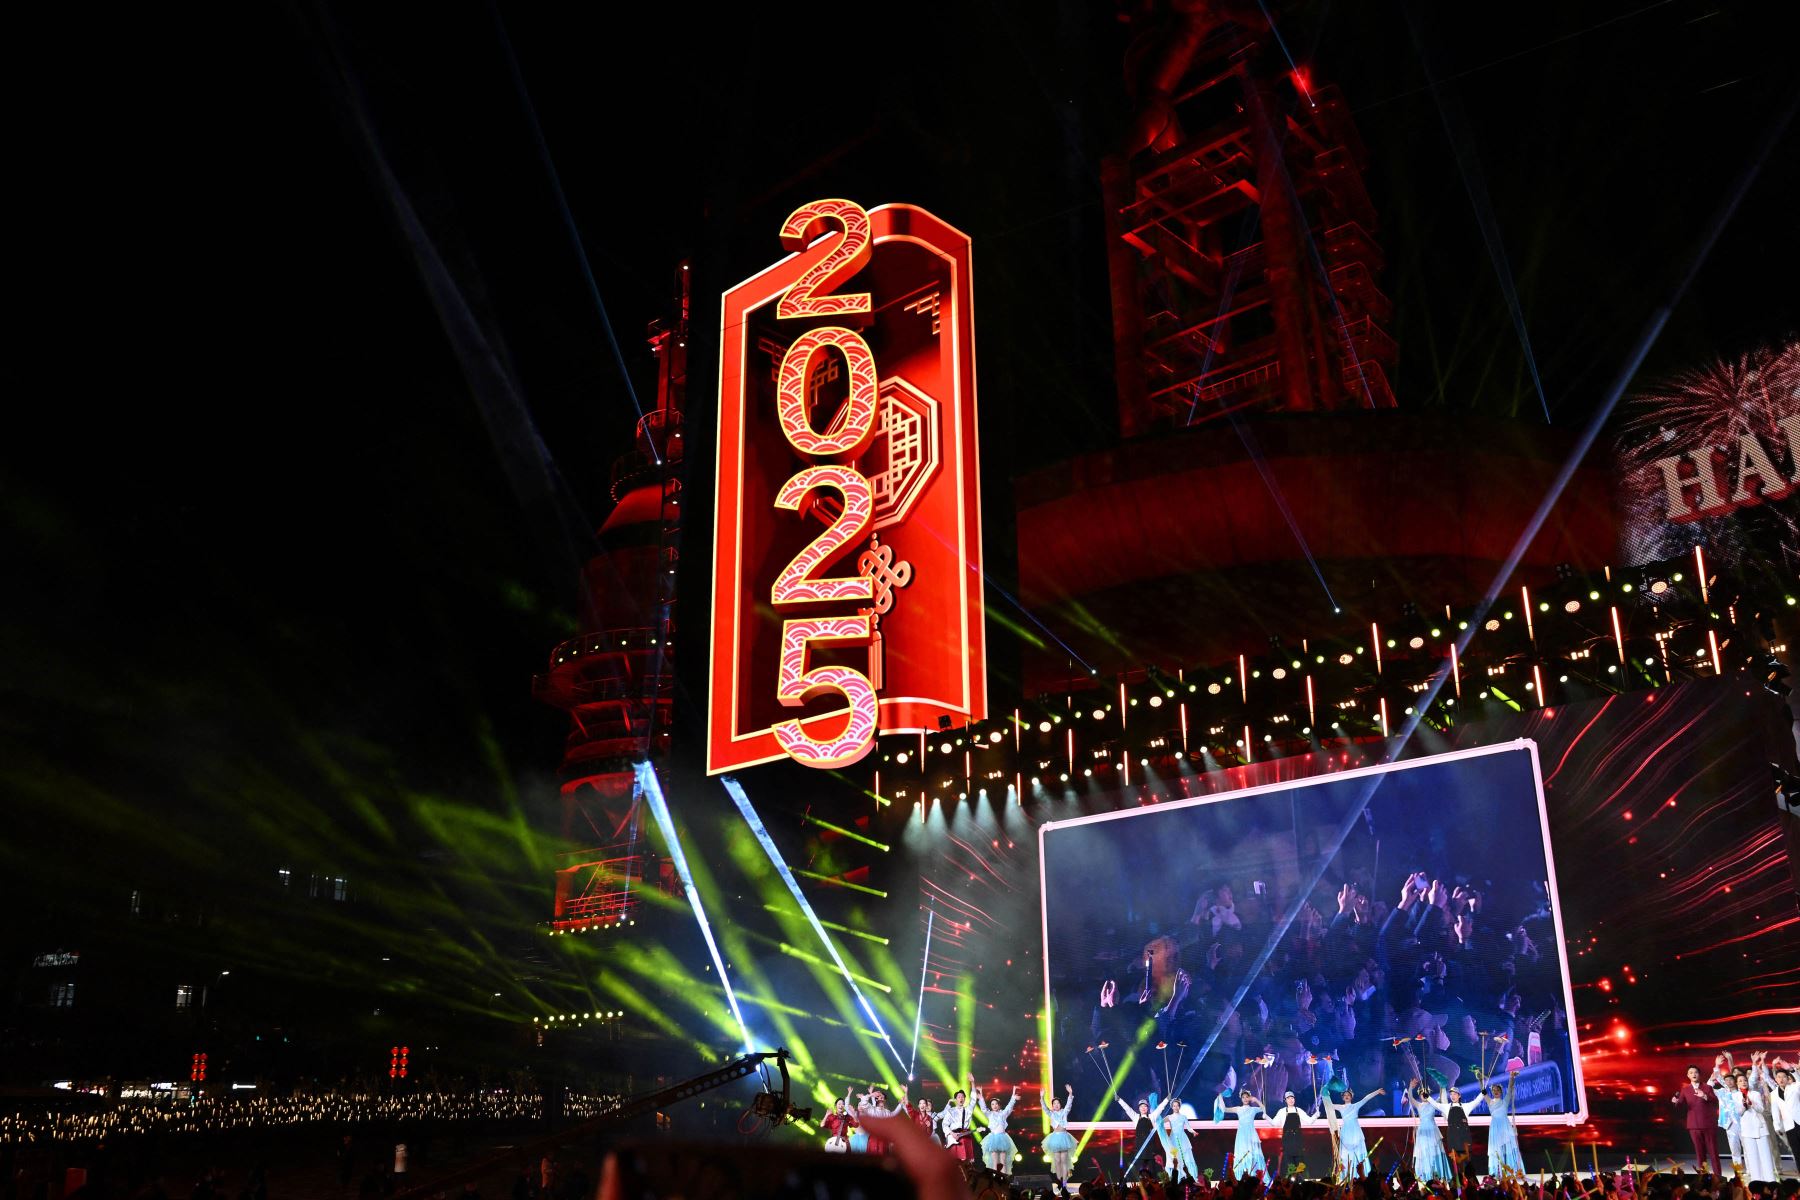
(1758, 1110)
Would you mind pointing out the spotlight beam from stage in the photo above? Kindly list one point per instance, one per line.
(650, 788)
(736, 791)
(919, 1009)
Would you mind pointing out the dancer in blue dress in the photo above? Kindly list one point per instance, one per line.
(997, 1149)
(1178, 1148)
(1504, 1158)
(1430, 1163)
(1246, 1153)
(1060, 1143)
(1352, 1148)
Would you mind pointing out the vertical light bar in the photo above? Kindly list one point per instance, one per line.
(1071, 733)
(1712, 640)
(1019, 788)
(1525, 600)
(1375, 644)
(1312, 704)
(1184, 731)
(1384, 717)
(1700, 570)
(650, 788)
(919, 1010)
(1125, 766)
(736, 792)
(1018, 726)
(1122, 704)
(1246, 743)
(1618, 635)
(1244, 678)
(1456, 668)
(1537, 678)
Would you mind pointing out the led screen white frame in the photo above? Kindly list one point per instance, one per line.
(1578, 1117)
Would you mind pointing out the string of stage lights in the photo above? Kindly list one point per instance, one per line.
(1590, 634)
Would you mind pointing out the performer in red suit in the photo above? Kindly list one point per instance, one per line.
(1702, 1119)
(925, 1119)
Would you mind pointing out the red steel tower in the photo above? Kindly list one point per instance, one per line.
(1240, 238)
(616, 679)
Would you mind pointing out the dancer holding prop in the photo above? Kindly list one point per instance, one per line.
(1353, 1151)
(1246, 1153)
(1504, 1158)
(1430, 1164)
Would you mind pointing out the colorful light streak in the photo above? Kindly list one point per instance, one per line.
(649, 788)
(744, 807)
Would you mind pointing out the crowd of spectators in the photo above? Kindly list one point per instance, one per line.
(1445, 974)
(222, 1114)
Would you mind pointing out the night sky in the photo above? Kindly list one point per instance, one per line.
(313, 406)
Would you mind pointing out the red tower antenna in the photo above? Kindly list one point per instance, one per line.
(1240, 239)
(616, 680)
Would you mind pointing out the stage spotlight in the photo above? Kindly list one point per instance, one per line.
(1437, 633)
(1213, 689)
(1492, 624)
(1043, 727)
(1088, 772)
(1279, 673)
(903, 757)
(1416, 642)
(1345, 660)
(1658, 586)
(1064, 777)
(943, 747)
(1337, 725)
(1156, 701)
(1099, 714)
(1195, 686)
(1543, 606)
(1034, 781)
(994, 737)
(1572, 606)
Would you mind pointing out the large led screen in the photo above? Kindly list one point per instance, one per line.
(1373, 927)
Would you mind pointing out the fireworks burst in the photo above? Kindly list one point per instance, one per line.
(1714, 405)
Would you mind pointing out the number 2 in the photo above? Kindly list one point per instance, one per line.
(796, 584)
(844, 258)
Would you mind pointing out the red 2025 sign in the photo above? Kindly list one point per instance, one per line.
(847, 423)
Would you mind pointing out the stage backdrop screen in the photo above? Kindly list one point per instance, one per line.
(1376, 925)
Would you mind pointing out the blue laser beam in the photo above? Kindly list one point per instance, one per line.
(568, 219)
(650, 788)
(736, 791)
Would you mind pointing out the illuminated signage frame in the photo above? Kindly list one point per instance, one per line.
(826, 257)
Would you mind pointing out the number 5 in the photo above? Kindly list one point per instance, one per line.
(797, 685)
